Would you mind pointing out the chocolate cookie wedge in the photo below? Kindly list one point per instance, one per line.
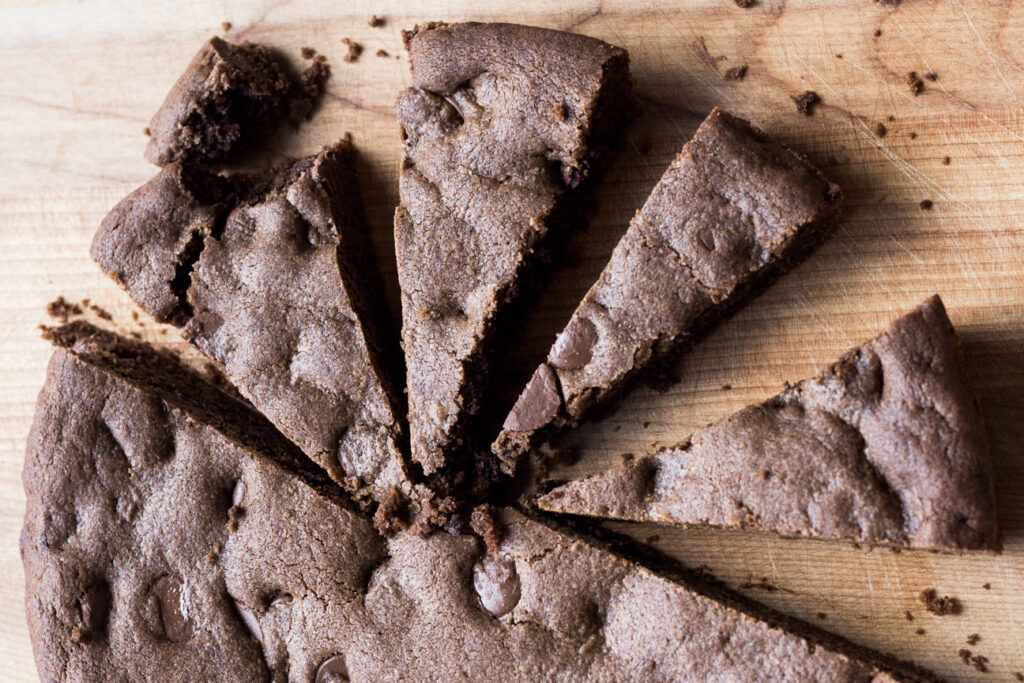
(159, 546)
(885, 447)
(732, 211)
(501, 121)
(271, 280)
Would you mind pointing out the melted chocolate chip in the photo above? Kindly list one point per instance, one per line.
(333, 669)
(250, 620)
(538, 404)
(574, 347)
(95, 607)
(176, 625)
(203, 324)
(497, 584)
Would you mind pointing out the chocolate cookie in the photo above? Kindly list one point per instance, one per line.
(159, 547)
(228, 94)
(501, 121)
(886, 446)
(730, 214)
(272, 281)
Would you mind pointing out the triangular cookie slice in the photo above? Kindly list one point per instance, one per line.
(162, 541)
(500, 122)
(271, 282)
(885, 447)
(732, 212)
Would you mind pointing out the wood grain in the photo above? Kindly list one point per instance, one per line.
(80, 80)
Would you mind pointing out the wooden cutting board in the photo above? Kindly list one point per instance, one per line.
(80, 80)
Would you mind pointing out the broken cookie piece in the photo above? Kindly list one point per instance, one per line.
(271, 278)
(501, 121)
(228, 95)
(885, 447)
(732, 212)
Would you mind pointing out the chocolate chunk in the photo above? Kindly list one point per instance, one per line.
(177, 626)
(332, 670)
(538, 404)
(573, 348)
(497, 583)
(94, 606)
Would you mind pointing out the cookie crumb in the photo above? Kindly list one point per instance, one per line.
(308, 52)
(822, 615)
(973, 639)
(1018, 675)
(920, 631)
(101, 313)
(915, 83)
(964, 654)
(881, 130)
(377, 22)
(762, 584)
(744, 3)
(931, 76)
(908, 615)
(806, 102)
(63, 310)
(936, 605)
(764, 474)
(878, 32)
(653, 538)
(646, 425)
(979, 662)
(225, 26)
(311, 85)
(945, 162)
(926, 204)
(560, 112)
(726, 387)
(839, 55)
(354, 50)
(891, 3)
(147, 132)
(486, 525)
(913, 135)
(736, 73)
(986, 586)
(390, 517)
(381, 52)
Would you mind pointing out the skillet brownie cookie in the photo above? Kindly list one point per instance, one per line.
(500, 122)
(271, 278)
(885, 447)
(161, 546)
(732, 212)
